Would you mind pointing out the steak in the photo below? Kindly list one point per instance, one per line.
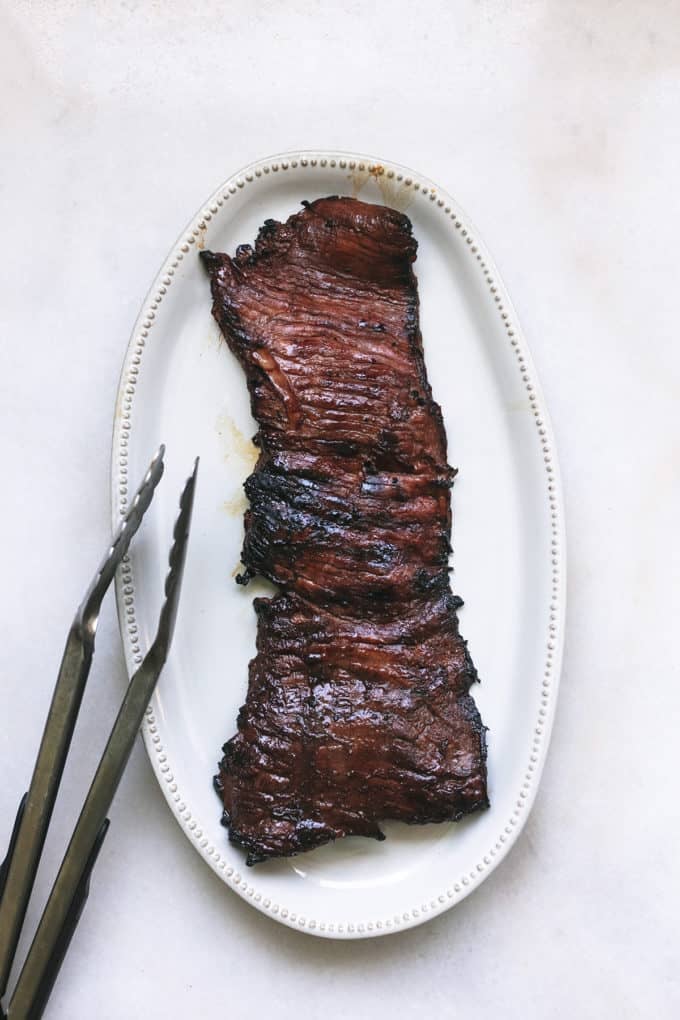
(358, 707)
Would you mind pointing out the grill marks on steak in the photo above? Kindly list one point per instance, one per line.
(347, 535)
(358, 707)
(346, 725)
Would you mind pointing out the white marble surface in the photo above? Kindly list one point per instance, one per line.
(555, 125)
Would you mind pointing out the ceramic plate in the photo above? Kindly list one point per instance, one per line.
(181, 385)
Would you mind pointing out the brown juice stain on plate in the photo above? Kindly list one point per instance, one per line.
(236, 506)
(213, 340)
(235, 443)
(393, 192)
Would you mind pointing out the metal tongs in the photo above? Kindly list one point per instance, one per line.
(71, 887)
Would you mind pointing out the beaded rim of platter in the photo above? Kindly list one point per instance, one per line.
(395, 182)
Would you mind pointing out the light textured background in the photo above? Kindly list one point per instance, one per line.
(555, 124)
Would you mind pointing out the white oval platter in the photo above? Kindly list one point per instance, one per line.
(180, 385)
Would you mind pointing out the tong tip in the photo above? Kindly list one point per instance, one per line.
(88, 611)
(176, 560)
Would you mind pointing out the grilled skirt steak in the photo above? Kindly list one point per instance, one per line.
(358, 707)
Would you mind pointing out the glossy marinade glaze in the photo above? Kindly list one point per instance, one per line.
(358, 707)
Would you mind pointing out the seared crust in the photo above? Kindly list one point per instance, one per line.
(358, 707)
